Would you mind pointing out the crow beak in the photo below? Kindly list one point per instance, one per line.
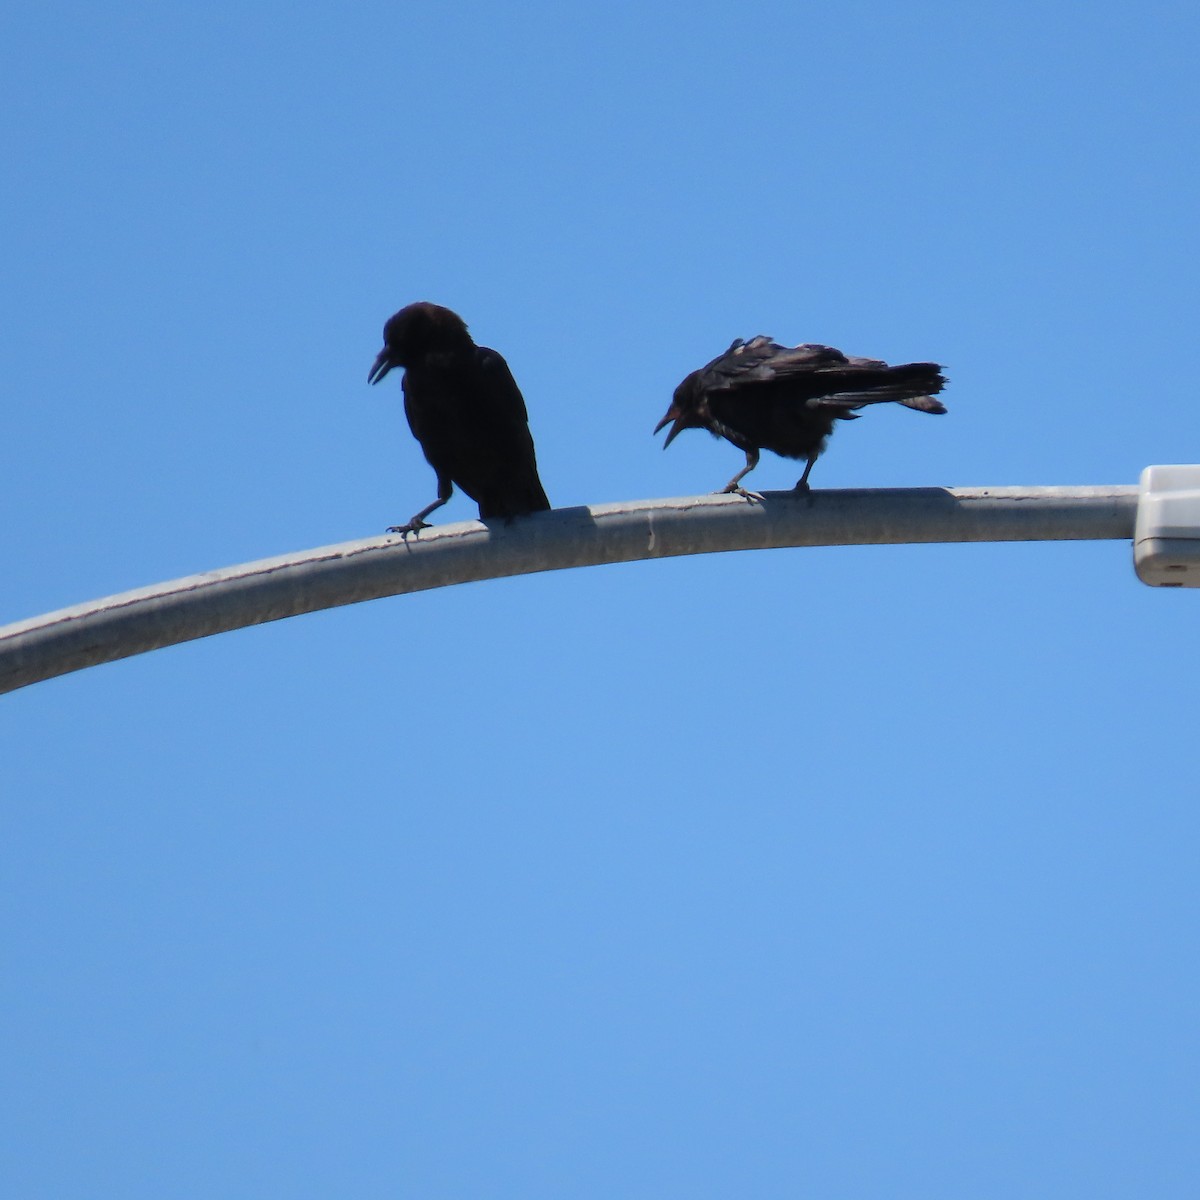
(382, 366)
(672, 415)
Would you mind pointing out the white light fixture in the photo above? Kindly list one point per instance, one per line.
(1166, 539)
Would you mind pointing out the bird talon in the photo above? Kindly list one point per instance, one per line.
(414, 526)
(735, 490)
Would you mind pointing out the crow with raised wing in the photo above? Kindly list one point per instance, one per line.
(763, 396)
(466, 410)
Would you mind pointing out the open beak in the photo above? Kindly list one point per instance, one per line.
(382, 366)
(672, 415)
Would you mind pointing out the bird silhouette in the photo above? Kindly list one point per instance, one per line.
(760, 395)
(465, 409)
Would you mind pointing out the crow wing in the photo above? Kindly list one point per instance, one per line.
(501, 474)
(820, 377)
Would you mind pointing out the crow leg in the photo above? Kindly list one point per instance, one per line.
(802, 483)
(732, 485)
(417, 523)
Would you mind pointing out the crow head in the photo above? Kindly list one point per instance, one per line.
(416, 331)
(686, 409)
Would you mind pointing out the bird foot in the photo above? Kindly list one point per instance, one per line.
(414, 526)
(734, 490)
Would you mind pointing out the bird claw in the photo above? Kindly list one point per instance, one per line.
(414, 526)
(755, 497)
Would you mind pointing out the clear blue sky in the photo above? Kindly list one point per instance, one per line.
(838, 873)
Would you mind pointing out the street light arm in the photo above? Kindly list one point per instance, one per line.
(389, 565)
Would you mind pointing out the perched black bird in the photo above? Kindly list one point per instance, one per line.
(466, 410)
(760, 395)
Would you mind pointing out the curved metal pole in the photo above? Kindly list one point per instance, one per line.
(388, 565)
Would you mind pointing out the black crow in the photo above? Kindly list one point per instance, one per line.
(466, 410)
(760, 395)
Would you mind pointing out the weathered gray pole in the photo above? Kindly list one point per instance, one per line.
(149, 618)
